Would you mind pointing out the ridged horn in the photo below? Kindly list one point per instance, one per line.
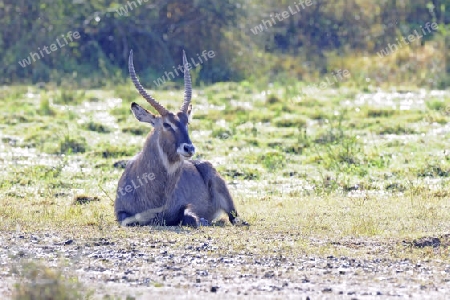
(187, 85)
(159, 108)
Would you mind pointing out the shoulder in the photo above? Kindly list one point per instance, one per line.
(205, 168)
(201, 163)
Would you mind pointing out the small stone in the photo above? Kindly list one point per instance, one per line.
(214, 289)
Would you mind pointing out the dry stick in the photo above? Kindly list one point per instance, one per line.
(103, 190)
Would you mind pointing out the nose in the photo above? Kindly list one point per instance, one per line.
(189, 148)
(186, 149)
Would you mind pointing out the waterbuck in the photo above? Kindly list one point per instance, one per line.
(161, 185)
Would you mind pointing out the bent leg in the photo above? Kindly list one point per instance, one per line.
(220, 196)
(191, 219)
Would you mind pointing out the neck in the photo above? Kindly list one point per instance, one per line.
(165, 171)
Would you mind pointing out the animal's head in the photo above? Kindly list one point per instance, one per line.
(171, 128)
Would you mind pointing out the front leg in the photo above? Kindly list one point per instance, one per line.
(130, 221)
(141, 218)
(126, 219)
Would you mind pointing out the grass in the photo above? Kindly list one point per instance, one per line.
(41, 282)
(300, 168)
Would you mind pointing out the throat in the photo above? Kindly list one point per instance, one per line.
(171, 165)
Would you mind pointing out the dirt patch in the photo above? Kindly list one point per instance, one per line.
(139, 268)
(429, 241)
(83, 199)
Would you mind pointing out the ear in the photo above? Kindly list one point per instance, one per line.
(189, 113)
(142, 114)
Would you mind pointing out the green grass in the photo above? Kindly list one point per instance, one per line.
(300, 168)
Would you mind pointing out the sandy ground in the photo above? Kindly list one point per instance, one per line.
(141, 269)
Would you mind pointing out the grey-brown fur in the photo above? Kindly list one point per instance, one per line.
(161, 185)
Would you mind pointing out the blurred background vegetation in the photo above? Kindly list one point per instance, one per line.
(328, 35)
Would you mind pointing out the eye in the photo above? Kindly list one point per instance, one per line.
(167, 126)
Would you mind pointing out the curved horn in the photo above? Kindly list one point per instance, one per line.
(187, 85)
(159, 108)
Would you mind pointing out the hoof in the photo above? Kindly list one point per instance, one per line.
(239, 222)
(203, 222)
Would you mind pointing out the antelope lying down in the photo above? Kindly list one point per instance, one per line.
(171, 188)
